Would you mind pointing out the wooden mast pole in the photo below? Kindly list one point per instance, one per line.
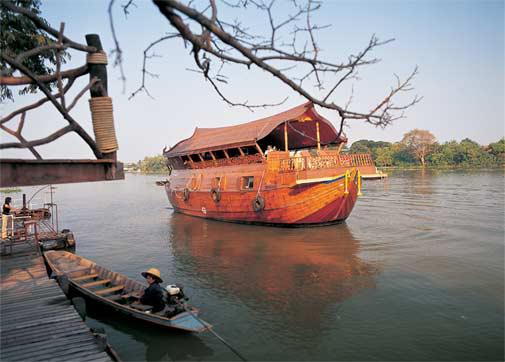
(318, 136)
(286, 136)
(260, 151)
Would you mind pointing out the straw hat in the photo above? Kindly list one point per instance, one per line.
(154, 273)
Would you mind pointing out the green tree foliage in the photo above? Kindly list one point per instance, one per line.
(497, 149)
(367, 146)
(19, 34)
(466, 153)
(384, 157)
(154, 164)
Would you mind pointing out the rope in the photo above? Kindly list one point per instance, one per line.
(103, 124)
(307, 136)
(216, 335)
(261, 182)
(99, 57)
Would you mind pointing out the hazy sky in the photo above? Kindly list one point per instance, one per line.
(457, 45)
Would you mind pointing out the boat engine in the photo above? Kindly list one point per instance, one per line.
(175, 300)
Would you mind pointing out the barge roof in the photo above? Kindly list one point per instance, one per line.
(301, 136)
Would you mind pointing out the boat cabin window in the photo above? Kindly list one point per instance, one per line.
(193, 158)
(185, 159)
(219, 154)
(206, 156)
(250, 150)
(247, 182)
(233, 152)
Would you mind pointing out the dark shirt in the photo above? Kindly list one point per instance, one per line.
(153, 295)
(6, 209)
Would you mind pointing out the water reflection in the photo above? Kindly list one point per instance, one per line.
(294, 273)
(158, 343)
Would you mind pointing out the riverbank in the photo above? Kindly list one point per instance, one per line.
(441, 168)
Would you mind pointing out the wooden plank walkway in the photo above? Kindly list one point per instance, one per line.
(37, 321)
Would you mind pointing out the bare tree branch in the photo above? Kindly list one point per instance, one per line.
(117, 52)
(126, 6)
(74, 125)
(82, 92)
(42, 141)
(230, 42)
(34, 105)
(23, 80)
(23, 141)
(142, 87)
(58, 67)
(38, 50)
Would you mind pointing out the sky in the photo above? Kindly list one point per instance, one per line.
(458, 47)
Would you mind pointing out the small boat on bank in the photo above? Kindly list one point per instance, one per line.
(121, 293)
(161, 182)
(284, 170)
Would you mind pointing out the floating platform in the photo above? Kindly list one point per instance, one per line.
(374, 176)
(37, 321)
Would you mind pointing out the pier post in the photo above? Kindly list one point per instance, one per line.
(99, 89)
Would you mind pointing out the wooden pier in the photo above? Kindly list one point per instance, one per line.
(37, 321)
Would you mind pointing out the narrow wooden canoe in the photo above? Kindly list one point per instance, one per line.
(117, 291)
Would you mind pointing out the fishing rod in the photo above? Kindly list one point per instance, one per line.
(209, 328)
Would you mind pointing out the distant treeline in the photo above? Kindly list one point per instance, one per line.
(420, 148)
(154, 164)
(417, 148)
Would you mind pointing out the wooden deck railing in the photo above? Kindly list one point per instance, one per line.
(291, 163)
(357, 159)
(241, 160)
(324, 162)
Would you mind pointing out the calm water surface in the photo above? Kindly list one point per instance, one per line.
(416, 272)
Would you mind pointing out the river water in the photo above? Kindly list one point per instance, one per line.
(416, 272)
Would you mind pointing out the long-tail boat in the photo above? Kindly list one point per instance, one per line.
(282, 170)
(119, 292)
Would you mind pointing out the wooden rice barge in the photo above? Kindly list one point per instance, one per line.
(283, 170)
(37, 321)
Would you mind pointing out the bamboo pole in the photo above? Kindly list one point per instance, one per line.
(318, 136)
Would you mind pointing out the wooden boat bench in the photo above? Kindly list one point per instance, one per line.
(95, 283)
(85, 277)
(142, 307)
(76, 270)
(109, 290)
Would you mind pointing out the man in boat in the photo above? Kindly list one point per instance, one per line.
(153, 295)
